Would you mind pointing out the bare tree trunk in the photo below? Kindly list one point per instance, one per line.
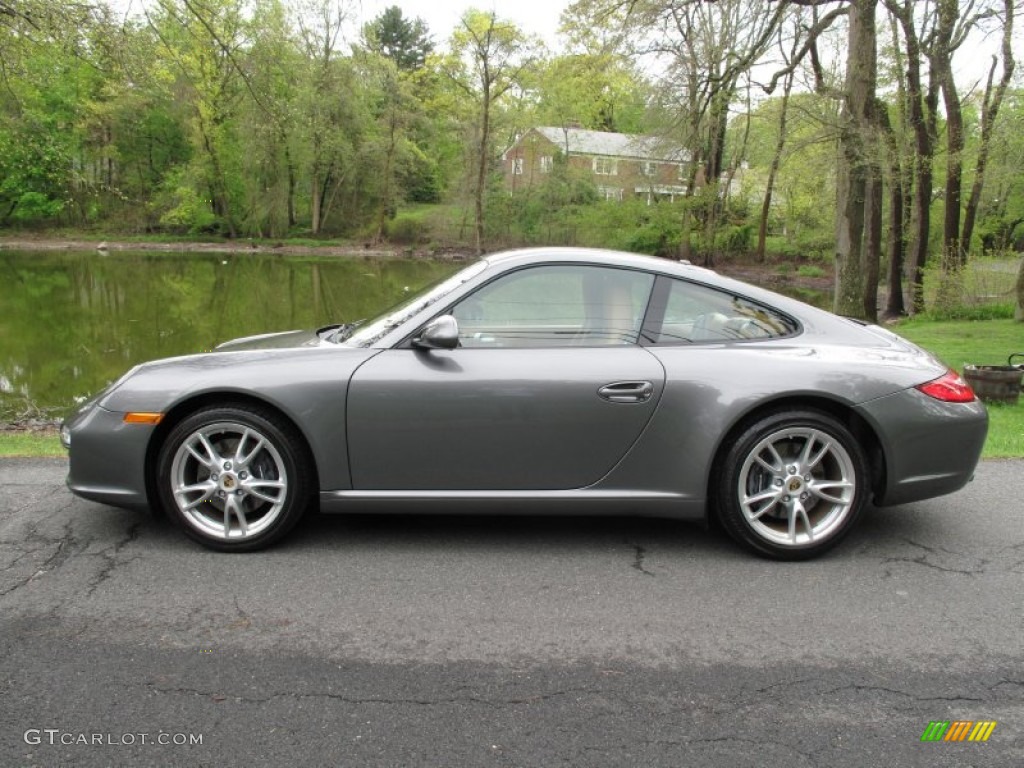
(853, 242)
(952, 247)
(872, 240)
(481, 174)
(315, 193)
(773, 169)
(990, 105)
(291, 186)
(922, 107)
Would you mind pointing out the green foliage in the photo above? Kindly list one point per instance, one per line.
(735, 239)
(405, 41)
(810, 270)
(407, 229)
(186, 208)
(255, 119)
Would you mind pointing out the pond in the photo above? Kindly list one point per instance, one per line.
(72, 322)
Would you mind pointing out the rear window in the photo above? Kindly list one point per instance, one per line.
(697, 313)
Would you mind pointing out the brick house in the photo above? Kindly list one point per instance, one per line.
(619, 165)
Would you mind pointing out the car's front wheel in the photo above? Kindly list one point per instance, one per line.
(792, 484)
(234, 478)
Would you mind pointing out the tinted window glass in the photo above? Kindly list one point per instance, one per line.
(696, 313)
(556, 306)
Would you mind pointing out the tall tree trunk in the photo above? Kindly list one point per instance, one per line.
(899, 185)
(773, 169)
(874, 190)
(990, 105)
(922, 108)
(481, 175)
(291, 185)
(855, 157)
(952, 247)
(314, 199)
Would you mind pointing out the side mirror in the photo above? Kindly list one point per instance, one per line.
(440, 333)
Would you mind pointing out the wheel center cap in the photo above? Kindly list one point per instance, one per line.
(228, 481)
(795, 484)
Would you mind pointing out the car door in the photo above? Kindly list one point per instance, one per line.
(548, 389)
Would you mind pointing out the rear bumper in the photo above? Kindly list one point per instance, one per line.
(931, 448)
(108, 458)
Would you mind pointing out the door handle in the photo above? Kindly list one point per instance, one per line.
(627, 391)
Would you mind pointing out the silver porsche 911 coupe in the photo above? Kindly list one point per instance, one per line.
(547, 380)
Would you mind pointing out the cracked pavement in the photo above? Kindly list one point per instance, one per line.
(401, 641)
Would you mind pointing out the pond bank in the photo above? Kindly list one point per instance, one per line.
(264, 247)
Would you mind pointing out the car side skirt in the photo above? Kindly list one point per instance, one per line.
(571, 502)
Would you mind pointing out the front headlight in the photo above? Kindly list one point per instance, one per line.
(65, 435)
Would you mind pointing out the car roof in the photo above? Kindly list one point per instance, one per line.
(811, 318)
(599, 256)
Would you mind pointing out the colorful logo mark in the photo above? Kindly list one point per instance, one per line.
(958, 730)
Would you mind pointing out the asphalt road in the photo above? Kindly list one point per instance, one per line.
(397, 641)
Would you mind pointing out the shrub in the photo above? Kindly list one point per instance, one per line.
(407, 230)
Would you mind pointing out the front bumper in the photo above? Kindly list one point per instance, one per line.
(108, 458)
(931, 447)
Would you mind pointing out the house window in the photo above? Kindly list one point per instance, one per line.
(606, 166)
(649, 168)
(517, 166)
(546, 163)
(610, 193)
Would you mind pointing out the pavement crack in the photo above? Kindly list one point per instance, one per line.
(937, 552)
(111, 562)
(639, 553)
(65, 544)
(219, 696)
(896, 692)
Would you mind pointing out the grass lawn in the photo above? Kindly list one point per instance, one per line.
(982, 342)
(30, 444)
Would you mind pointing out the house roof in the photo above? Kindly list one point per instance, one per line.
(580, 141)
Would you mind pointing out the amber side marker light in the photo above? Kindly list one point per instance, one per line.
(949, 388)
(139, 417)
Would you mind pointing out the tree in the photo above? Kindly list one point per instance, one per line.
(859, 186)
(206, 41)
(334, 118)
(780, 143)
(600, 91)
(991, 102)
(405, 41)
(489, 57)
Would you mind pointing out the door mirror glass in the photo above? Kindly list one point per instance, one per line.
(440, 333)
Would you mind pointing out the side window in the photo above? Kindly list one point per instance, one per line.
(696, 313)
(555, 306)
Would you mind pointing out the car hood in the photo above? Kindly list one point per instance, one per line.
(282, 340)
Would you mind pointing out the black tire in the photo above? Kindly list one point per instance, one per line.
(249, 492)
(792, 484)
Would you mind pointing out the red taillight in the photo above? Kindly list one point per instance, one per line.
(949, 388)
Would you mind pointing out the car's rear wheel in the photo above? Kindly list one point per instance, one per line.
(792, 484)
(234, 478)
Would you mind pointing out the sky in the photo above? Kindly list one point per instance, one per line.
(538, 17)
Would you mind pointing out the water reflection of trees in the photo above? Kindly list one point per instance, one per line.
(71, 322)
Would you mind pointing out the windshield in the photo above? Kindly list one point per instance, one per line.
(375, 328)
